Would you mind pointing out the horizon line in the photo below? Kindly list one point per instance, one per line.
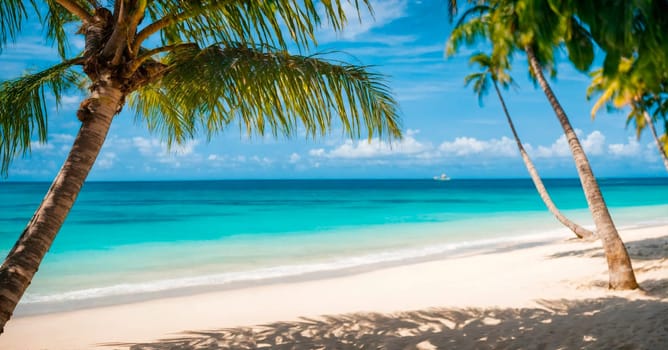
(341, 179)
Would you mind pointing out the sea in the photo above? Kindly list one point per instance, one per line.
(130, 241)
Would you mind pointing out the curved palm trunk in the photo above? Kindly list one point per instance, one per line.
(662, 149)
(619, 263)
(578, 230)
(25, 257)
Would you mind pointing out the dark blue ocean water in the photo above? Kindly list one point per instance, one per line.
(131, 237)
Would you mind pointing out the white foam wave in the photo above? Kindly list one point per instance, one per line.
(284, 271)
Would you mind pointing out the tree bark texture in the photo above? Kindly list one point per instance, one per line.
(620, 271)
(23, 260)
(578, 230)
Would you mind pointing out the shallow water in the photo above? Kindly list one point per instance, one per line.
(124, 238)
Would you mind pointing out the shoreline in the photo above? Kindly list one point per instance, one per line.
(398, 258)
(512, 277)
(292, 273)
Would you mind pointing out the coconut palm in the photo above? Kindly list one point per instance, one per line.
(534, 28)
(627, 29)
(493, 70)
(626, 90)
(634, 38)
(186, 68)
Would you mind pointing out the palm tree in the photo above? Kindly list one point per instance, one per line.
(532, 26)
(619, 264)
(633, 37)
(494, 70)
(626, 90)
(661, 145)
(209, 64)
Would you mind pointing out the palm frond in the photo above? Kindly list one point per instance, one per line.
(467, 34)
(579, 45)
(264, 90)
(480, 10)
(618, 90)
(452, 9)
(481, 59)
(23, 109)
(506, 81)
(56, 18)
(251, 22)
(173, 121)
(12, 14)
(480, 84)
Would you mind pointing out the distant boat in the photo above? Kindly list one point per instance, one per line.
(443, 177)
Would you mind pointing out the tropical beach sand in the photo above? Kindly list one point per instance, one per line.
(549, 295)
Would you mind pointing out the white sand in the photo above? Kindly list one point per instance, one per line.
(506, 298)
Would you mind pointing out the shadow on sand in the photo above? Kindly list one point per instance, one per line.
(605, 323)
(646, 249)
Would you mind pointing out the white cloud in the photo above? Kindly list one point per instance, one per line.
(464, 146)
(106, 160)
(157, 150)
(412, 151)
(30, 48)
(60, 142)
(62, 138)
(593, 144)
(265, 161)
(558, 149)
(294, 158)
(185, 149)
(318, 152)
(70, 102)
(235, 161)
(632, 148)
(67, 99)
(147, 147)
(363, 22)
(412, 92)
(375, 148)
(39, 146)
(410, 53)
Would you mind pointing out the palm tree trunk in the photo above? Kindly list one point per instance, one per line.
(620, 271)
(25, 257)
(578, 230)
(662, 149)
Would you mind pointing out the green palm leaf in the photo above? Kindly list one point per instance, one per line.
(263, 90)
(23, 109)
(251, 22)
(55, 19)
(467, 33)
(480, 84)
(12, 14)
(579, 44)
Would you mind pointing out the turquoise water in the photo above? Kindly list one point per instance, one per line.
(125, 238)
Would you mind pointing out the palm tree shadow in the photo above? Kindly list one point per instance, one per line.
(611, 322)
(646, 249)
(648, 255)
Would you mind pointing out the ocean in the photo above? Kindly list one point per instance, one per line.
(126, 241)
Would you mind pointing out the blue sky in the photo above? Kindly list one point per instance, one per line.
(446, 130)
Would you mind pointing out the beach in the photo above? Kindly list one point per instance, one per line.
(542, 294)
(200, 175)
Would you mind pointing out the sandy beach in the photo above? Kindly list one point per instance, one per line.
(548, 295)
